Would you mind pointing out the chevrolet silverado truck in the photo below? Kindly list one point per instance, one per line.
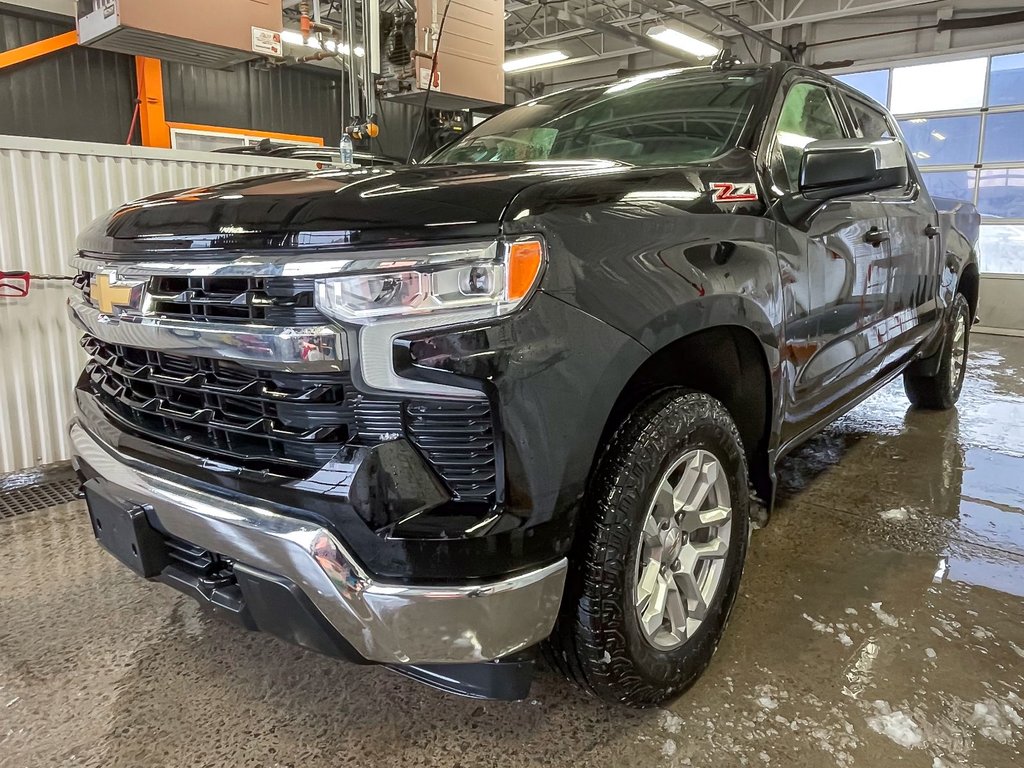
(525, 398)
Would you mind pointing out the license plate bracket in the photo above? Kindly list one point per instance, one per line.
(121, 528)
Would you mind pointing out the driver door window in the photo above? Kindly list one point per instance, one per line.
(808, 114)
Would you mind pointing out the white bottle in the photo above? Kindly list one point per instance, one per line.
(346, 149)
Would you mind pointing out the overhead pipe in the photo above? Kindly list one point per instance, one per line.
(357, 122)
(369, 94)
(943, 25)
(350, 35)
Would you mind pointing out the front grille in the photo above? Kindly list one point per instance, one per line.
(222, 408)
(289, 423)
(281, 301)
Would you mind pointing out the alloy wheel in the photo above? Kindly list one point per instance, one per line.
(681, 553)
(959, 355)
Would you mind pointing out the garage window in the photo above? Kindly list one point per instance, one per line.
(874, 84)
(1003, 138)
(957, 185)
(1006, 81)
(1001, 193)
(943, 140)
(1002, 247)
(918, 89)
(963, 121)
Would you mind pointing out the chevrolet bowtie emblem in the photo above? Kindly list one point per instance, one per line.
(109, 293)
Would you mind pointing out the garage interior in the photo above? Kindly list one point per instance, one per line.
(880, 619)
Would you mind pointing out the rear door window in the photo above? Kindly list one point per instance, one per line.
(872, 123)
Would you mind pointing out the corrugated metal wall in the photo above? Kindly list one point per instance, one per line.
(77, 93)
(89, 95)
(49, 190)
(283, 99)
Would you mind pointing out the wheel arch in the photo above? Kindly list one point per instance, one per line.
(969, 284)
(740, 378)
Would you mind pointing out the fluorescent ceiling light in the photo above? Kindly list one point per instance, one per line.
(683, 42)
(537, 60)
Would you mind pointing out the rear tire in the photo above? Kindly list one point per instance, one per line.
(665, 525)
(941, 391)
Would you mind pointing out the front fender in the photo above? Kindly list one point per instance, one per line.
(658, 273)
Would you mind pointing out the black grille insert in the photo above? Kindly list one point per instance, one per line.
(458, 439)
(288, 423)
(261, 418)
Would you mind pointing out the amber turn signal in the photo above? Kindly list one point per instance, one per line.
(524, 263)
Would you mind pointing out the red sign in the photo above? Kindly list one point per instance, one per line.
(14, 285)
(425, 78)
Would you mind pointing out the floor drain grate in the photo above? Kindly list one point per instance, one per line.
(40, 496)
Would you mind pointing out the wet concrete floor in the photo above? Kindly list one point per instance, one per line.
(880, 623)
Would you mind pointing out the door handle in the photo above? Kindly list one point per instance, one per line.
(876, 236)
(931, 231)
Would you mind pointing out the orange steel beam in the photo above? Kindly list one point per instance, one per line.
(37, 49)
(293, 137)
(152, 120)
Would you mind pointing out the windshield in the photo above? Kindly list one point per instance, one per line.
(652, 119)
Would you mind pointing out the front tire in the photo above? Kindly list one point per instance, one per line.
(941, 391)
(661, 553)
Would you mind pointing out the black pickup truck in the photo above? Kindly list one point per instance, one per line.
(525, 397)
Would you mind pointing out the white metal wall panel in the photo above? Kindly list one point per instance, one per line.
(49, 190)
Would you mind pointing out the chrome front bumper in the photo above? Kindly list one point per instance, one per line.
(386, 623)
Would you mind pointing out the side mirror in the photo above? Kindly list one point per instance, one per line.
(14, 285)
(852, 166)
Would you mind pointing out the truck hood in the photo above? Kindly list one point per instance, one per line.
(330, 208)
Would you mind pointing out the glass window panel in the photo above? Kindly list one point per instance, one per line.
(872, 123)
(874, 84)
(956, 185)
(1006, 82)
(1001, 193)
(938, 87)
(808, 114)
(1002, 248)
(1003, 134)
(943, 140)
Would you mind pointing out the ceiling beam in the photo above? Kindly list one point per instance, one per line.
(850, 11)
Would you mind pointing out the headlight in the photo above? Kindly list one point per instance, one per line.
(496, 278)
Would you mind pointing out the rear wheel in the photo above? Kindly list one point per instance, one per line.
(941, 391)
(664, 542)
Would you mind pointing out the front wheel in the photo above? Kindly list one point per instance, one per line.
(665, 536)
(941, 391)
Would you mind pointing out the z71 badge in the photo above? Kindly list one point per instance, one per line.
(727, 192)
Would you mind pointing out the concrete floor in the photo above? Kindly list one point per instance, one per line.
(880, 622)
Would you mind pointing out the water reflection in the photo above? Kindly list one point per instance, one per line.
(947, 483)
